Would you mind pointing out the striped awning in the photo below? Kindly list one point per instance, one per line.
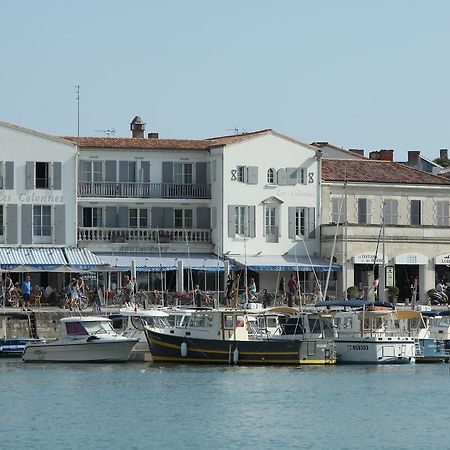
(83, 259)
(34, 258)
(284, 262)
(151, 262)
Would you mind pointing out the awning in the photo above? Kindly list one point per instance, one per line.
(152, 262)
(32, 258)
(284, 262)
(83, 259)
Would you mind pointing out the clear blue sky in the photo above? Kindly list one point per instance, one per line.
(358, 74)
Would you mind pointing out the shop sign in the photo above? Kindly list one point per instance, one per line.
(367, 258)
(390, 278)
(442, 259)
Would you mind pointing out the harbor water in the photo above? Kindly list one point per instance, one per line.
(149, 406)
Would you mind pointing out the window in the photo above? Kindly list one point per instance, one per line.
(182, 173)
(363, 211)
(127, 171)
(91, 171)
(442, 210)
(241, 220)
(271, 176)
(138, 218)
(338, 210)
(301, 176)
(390, 212)
(92, 217)
(42, 223)
(271, 220)
(183, 218)
(416, 212)
(241, 173)
(42, 175)
(304, 222)
(2, 229)
(2, 175)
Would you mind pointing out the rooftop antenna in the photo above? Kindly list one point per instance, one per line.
(108, 132)
(235, 130)
(77, 91)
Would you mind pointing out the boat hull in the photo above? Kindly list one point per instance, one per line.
(96, 351)
(13, 348)
(375, 351)
(183, 349)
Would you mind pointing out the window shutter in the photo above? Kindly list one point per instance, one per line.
(281, 177)
(27, 223)
(167, 172)
(203, 218)
(251, 222)
(369, 211)
(200, 173)
(252, 175)
(9, 175)
(80, 216)
(111, 216)
(291, 222)
(214, 170)
(231, 221)
(157, 217)
(311, 223)
(145, 167)
(123, 217)
(168, 219)
(29, 175)
(110, 171)
(57, 175)
(11, 224)
(291, 176)
(60, 224)
(123, 171)
(214, 217)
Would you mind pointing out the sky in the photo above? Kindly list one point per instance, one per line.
(356, 73)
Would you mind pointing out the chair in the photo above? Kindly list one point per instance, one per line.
(37, 298)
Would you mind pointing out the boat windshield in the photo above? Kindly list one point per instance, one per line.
(98, 327)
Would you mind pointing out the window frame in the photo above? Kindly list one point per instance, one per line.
(41, 232)
(42, 182)
(415, 212)
(138, 218)
(183, 219)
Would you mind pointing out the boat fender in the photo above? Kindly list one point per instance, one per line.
(184, 349)
(235, 355)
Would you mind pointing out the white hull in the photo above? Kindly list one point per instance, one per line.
(375, 350)
(80, 351)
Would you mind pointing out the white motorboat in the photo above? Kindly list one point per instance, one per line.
(368, 334)
(83, 339)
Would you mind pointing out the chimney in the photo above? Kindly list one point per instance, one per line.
(374, 155)
(413, 157)
(387, 155)
(137, 127)
(153, 136)
(443, 153)
(356, 151)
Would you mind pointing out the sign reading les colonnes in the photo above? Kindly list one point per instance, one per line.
(442, 259)
(368, 258)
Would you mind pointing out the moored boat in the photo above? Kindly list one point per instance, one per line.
(83, 339)
(221, 336)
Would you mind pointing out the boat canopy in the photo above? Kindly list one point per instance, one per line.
(354, 303)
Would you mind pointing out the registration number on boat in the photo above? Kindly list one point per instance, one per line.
(358, 347)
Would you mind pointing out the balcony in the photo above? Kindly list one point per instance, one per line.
(144, 190)
(143, 235)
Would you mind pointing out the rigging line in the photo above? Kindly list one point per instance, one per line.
(316, 279)
(190, 277)
(160, 264)
(298, 278)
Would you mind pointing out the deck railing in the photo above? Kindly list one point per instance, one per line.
(144, 190)
(149, 235)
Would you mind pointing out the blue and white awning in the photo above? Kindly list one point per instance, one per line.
(33, 258)
(284, 263)
(151, 262)
(83, 259)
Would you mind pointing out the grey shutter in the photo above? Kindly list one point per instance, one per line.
(145, 167)
(200, 173)
(29, 175)
(157, 217)
(123, 217)
(291, 176)
(60, 224)
(281, 177)
(27, 223)
(110, 171)
(311, 223)
(9, 175)
(231, 221)
(214, 217)
(110, 217)
(252, 175)
(168, 219)
(291, 222)
(123, 171)
(167, 172)
(11, 224)
(203, 218)
(251, 222)
(369, 211)
(214, 171)
(56, 175)
(80, 216)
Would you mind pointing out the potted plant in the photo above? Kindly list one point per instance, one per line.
(352, 292)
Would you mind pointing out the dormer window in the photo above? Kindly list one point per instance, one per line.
(271, 176)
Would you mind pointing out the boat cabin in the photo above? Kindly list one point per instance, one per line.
(80, 327)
